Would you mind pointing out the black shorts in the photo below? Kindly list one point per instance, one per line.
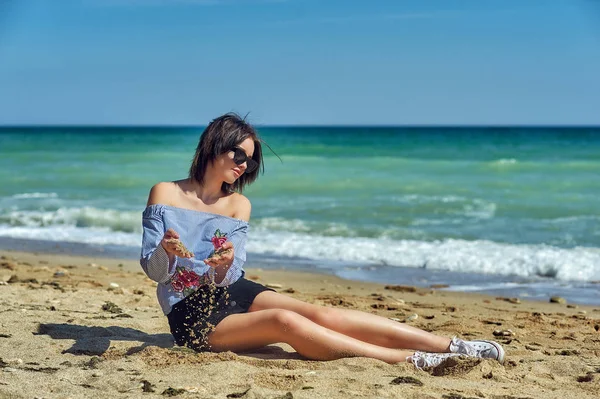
(196, 316)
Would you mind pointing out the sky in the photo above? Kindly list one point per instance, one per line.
(300, 62)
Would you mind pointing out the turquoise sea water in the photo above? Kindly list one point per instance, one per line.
(521, 203)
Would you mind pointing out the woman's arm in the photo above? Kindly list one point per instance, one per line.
(159, 251)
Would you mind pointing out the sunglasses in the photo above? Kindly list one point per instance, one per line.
(239, 157)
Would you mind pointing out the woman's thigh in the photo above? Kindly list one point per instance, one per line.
(252, 330)
(273, 300)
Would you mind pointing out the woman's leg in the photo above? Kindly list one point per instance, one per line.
(363, 326)
(247, 331)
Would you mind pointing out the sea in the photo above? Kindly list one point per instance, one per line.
(506, 211)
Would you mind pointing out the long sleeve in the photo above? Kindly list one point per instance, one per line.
(154, 259)
(196, 230)
(238, 238)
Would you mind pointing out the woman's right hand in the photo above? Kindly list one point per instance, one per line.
(173, 246)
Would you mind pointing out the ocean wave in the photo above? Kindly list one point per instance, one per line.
(423, 199)
(324, 241)
(475, 208)
(480, 256)
(35, 195)
(437, 222)
(303, 226)
(479, 209)
(118, 221)
(90, 235)
(505, 161)
(281, 224)
(573, 219)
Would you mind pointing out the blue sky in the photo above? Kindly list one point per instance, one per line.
(422, 62)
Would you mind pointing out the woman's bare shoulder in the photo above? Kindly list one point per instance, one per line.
(242, 206)
(163, 193)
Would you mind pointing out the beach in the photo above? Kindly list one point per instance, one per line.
(472, 231)
(87, 326)
(435, 164)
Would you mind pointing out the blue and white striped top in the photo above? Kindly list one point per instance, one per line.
(196, 230)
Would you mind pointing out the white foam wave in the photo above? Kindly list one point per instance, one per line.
(126, 221)
(574, 219)
(438, 222)
(34, 195)
(475, 208)
(505, 161)
(479, 209)
(97, 236)
(281, 224)
(302, 226)
(335, 242)
(421, 198)
(454, 255)
(480, 287)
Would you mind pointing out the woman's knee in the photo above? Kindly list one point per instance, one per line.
(325, 316)
(287, 321)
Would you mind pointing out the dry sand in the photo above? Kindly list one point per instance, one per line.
(76, 327)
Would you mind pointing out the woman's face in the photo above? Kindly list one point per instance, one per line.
(227, 168)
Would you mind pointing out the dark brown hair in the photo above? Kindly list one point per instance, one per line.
(220, 136)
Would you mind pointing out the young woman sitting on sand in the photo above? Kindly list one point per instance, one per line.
(203, 292)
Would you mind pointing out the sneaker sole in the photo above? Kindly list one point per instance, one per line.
(496, 345)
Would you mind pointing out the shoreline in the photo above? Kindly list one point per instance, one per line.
(525, 288)
(91, 326)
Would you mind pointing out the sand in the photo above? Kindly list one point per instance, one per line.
(77, 327)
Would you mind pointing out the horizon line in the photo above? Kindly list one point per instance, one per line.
(299, 125)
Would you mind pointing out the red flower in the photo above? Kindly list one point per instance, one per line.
(184, 280)
(189, 278)
(218, 241)
(177, 285)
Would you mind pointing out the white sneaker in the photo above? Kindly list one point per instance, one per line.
(478, 348)
(426, 359)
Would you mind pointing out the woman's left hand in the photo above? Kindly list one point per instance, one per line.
(222, 257)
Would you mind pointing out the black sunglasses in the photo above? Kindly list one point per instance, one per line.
(239, 157)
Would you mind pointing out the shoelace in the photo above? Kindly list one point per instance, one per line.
(423, 359)
(464, 348)
(483, 353)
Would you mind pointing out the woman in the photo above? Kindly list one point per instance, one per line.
(203, 292)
